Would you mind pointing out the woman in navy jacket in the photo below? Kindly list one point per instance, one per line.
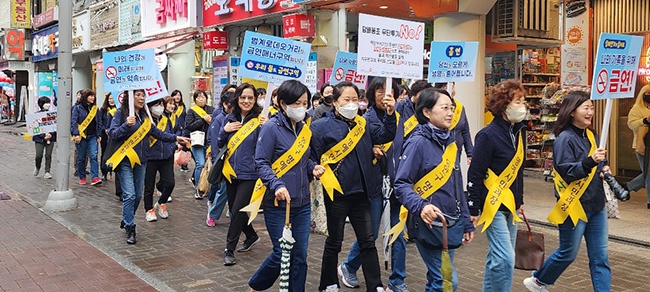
(422, 152)
(572, 162)
(104, 117)
(132, 177)
(44, 142)
(195, 122)
(356, 181)
(179, 116)
(277, 136)
(240, 188)
(88, 144)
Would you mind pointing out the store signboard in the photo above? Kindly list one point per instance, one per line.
(133, 69)
(345, 69)
(49, 16)
(45, 83)
(453, 62)
(311, 79)
(160, 16)
(617, 65)
(233, 70)
(575, 50)
(273, 59)
(13, 44)
(81, 32)
(21, 14)
(219, 77)
(215, 40)
(130, 30)
(41, 122)
(16, 65)
(45, 44)
(219, 12)
(298, 26)
(104, 22)
(390, 47)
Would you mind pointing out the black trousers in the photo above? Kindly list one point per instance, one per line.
(105, 169)
(166, 169)
(357, 208)
(239, 195)
(40, 147)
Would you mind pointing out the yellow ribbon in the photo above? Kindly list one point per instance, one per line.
(126, 150)
(456, 118)
(162, 125)
(199, 111)
(409, 125)
(112, 111)
(234, 142)
(172, 119)
(337, 153)
(272, 110)
(280, 167)
(86, 122)
(179, 110)
(386, 146)
(426, 186)
(569, 203)
(499, 189)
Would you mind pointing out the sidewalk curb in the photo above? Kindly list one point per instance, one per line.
(122, 261)
(619, 239)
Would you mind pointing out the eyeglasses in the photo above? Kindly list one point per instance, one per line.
(447, 107)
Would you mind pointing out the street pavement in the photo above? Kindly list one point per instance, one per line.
(183, 254)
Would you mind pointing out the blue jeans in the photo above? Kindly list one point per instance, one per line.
(219, 200)
(88, 144)
(269, 271)
(595, 233)
(397, 251)
(500, 259)
(199, 159)
(433, 260)
(132, 182)
(353, 261)
(638, 183)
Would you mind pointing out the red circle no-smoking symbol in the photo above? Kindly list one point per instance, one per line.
(339, 74)
(111, 72)
(601, 81)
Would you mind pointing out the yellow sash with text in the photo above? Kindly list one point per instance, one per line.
(162, 125)
(199, 111)
(569, 203)
(280, 167)
(86, 122)
(337, 153)
(386, 146)
(234, 142)
(499, 192)
(126, 150)
(456, 118)
(427, 185)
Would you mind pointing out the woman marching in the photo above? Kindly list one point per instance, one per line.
(500, 155)
(638, 121)
(44, 142)
(284, 134)
(579, 165)
(84, 132)
(131, 161)
(342, 141)
(198, 120)
(179, 118)
(240, 133)
(104, 117)
(425, 154)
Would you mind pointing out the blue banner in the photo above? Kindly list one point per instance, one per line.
(345, 69)
(273, 59)
(131, 70)
(45, 44)
(453, 62)
(617, 64)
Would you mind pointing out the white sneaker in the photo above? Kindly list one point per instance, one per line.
(533, 286)
(332, 288)
(162, 210)
(380, 289)
(36, 171)
(151, 216)
(169, 199)
(47, 175)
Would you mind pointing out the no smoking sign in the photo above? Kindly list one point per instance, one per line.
(111, 72)
(601, 82)
(339, 74)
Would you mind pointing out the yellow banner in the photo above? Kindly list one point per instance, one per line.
(89, 118)
(499, 189)
(255, 82)
(569, 203)
(280, 167)
(337, 153)
(234, 142)
(199, 111)
(457, 112)
(385, 147)
(162, 125)
(21, 14)
(427, 185)
(126, 150)
(409, 125)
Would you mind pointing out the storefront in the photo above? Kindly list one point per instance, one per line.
(81, 65)
(16, 71)
(45, 50)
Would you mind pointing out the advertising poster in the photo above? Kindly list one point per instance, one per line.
(312, 73)
(45, 88)
(273, 59)
(575, 50)
(233, 70)
(453, 62)
(617, 64)
(345, 69)
(219, 77)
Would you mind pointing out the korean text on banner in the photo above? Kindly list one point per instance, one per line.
(345, 69)
(233, 70)
(390, 47)
(311, 80)
(617, 62)
(21, 14)
(453, 62)
(273, 59)
(131, 70)
(219, 77)
(41, 122)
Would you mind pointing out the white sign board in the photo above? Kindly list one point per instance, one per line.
(312, 73)
(41, 122)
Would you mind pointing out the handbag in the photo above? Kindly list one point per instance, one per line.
(204, 186)
(111, 147)
(182, 158)
(529, 248)
(216, 171)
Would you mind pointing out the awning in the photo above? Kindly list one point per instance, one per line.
(157, 43)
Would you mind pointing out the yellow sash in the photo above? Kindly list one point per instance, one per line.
(89, 118)
(172, 119)
(179, 110)
(337, 153)
(112, 111)
(409, 125)
(272, 110)
(162, 125)
(126, 150)
(499, 189)
(427, 185)
(569, 203)
(234, 142)
(456, 118)
(280, 167)
(386, 146)
(199, 111)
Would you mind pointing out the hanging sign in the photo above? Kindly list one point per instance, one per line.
(104, 20)
(45, 44)
(219, 77)
(134, 69)
(617, 64)
(162, 16)
(298, 26)
(21, 14)
(219, 12)
(311, 79)
(345, 69)
(453, 62)
(215, 40)
(273, 59)
(14, 43)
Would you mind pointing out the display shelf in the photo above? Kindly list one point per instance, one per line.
(534, 84)
(540, 74)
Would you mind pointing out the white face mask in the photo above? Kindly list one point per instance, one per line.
(516, 114)
(349, 110)
(157, 110)
(296, 114)
(46, 106)
(260, 102)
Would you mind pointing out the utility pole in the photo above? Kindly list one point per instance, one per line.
(62, 198)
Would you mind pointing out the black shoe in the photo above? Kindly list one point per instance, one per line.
(122, 224)
(248, 244)
(648, 205)
(229, 258)
(130, 234)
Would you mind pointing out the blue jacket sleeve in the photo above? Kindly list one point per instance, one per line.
(566, 162)
(264, 156)
(100, 120)
(162, 136)
(119, 129)
(223, 136)
(478, 168)
(384, 133)
(407, 176)
(74, 130)
(316, 145)
(213, 137)
(467, 136)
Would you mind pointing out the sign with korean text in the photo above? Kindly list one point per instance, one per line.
(162, 16)
(21, 16)
(215, 40)
(617, 63)
(130, 30)
(81, 32)
(49, 16)
(135, 69)
(104, 20)
(45, 44)
(219, 77)
(219, 12)
(390, 47)
(233, 70)
(273, 59)
(453, 62)
(345, 69)
(298, 26)
(14, 44)
(577, 45)
(311, 79)
(41, 122)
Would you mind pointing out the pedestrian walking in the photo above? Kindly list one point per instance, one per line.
(197, 123)
(326, 104)
(579, 165)
(459, 122)
(85, 132)
(104, 117)
(638, 120)
(44, 143)
(179, 117)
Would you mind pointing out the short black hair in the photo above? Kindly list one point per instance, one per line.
(196, 95)
(379, 83)
(440, 84)
(226, 98)
(419, 86)
(259, 91)
(338, 89)
(322, 88)
(316, 96)
(291, 90)
(428, 99)
(404, 88)
(43, 100)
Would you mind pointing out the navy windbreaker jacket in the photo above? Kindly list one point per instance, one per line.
(243, 160)
(79, 113)
(162, 150)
